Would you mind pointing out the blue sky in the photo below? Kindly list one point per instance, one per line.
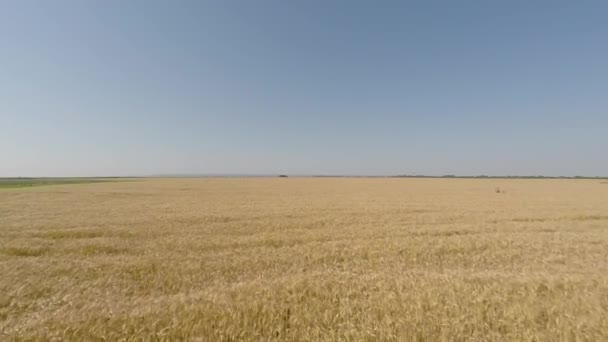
(94, 88)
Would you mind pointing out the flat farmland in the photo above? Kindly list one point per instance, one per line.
(319, 259)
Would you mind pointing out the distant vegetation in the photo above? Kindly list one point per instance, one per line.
(463, 177)
(9, 183)
(501, 177)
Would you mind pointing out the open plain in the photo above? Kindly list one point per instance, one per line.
(320, 259)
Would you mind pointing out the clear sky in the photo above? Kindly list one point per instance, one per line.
(98, 88)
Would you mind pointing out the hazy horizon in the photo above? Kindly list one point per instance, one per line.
(114, 88)
(274, 175)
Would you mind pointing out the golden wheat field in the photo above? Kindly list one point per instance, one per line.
(306, 259)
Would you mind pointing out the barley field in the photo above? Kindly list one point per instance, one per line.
(306, 259)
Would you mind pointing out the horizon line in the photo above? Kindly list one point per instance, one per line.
(284, 175)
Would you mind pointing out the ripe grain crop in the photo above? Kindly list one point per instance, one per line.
(306, 259)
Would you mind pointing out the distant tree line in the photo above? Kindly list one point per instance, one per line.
(501, 177)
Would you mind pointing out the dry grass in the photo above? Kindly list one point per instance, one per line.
(306, 259)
